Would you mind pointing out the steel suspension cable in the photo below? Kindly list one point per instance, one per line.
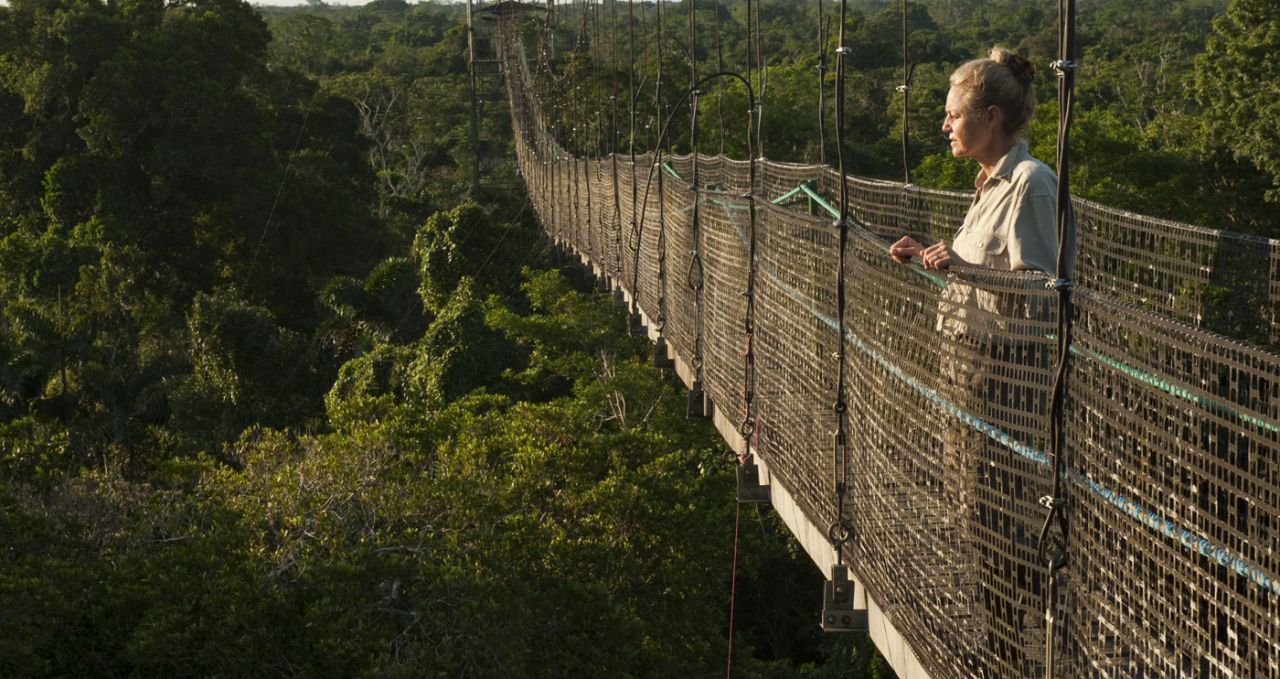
(634, 240)
(592, 212)
(661, 322)
(720, 67)
(613, 143)
(905, 88)
(760, 77)
(822, 86)
(585, 120)
(696, 406)
(839, 532)
(1054, 534)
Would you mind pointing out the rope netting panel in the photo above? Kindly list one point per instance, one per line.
(1175, 436)
(725, 240)
(1173, 433)
(795, 354)
(680, 329)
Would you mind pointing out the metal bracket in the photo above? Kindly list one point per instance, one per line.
(838, 613)
(660, 357)
(749, 489)
(696, 408)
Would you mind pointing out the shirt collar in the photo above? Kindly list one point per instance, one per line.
(1004, 168)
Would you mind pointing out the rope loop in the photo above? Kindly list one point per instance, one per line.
(1052, 545)
(1062, 66)
(838, 534)
(903, 88)
(1053, 503)
(1060, 284)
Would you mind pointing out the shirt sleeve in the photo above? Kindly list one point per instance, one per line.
(1033, 238)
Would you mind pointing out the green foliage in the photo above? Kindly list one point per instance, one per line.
(237, 347)
(459, 352)
(1234, 80)
(270, 383)
(469, 241)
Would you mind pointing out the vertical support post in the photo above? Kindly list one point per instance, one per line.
(475, 99)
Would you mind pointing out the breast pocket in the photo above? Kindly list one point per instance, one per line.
(993, 244)
(987, 249)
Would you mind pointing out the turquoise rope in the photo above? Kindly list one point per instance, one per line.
(1147, 517)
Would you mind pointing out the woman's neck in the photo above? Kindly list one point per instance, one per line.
(1000, 147)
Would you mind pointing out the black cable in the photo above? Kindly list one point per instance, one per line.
(760, 78)
(839, 533)
(720, 68)
(613, 143)
(661, 321)
(694, 275)
(1053, 547)
(905, 88)
(822, 86)
(631, 101)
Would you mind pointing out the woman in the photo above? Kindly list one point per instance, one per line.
(991, 365)
(1011, 224)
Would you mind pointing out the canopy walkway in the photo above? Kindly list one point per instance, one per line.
(929, 484)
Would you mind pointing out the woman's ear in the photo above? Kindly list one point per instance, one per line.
(993, 114)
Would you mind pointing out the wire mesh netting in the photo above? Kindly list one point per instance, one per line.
(1172, 457)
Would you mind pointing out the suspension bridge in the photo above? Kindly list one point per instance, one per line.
(933, 475)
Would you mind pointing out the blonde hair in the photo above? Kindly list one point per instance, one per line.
(1004, 79)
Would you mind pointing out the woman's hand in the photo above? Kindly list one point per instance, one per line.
(906, 248)
(936, 256)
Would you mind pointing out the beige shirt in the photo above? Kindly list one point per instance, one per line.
(1011, 226)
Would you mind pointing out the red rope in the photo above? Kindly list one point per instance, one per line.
(733, 587)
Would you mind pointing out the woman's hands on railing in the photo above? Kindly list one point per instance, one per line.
(937, 256)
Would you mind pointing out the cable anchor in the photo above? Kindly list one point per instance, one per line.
(1060, 284)
(1062, 66)
(838, 612)
(750, 490)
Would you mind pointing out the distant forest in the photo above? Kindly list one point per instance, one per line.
(1174, 116)
(281, 393)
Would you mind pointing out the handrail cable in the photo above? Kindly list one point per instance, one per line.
(1053, 547)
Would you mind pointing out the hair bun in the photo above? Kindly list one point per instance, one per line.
(1023, 70)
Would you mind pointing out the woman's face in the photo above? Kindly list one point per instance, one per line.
(969, 131)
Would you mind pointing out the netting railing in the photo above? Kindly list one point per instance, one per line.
(1173, 431)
